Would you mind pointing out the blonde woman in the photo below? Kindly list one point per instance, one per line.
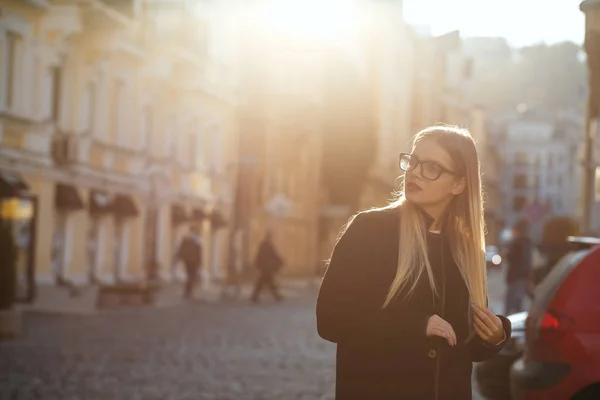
(405, 293)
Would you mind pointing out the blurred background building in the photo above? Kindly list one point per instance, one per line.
(122, 123)
(118, 124)
(541, 178)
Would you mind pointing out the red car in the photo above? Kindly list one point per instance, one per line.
(562, 346)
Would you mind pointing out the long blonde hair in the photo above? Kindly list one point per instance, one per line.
(464, 228)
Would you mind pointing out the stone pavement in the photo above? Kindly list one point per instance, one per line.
(229, 350)
(53, 299)
(213, 350)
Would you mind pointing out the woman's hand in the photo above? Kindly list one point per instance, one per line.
(488, 326)
(436, 326)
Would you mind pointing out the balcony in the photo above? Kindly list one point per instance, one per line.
(128, 8)
(115, 14)
(39, 4)
(116, 159)
(25, 135)
(62, 20)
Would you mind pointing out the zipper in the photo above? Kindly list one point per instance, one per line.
(436, 389)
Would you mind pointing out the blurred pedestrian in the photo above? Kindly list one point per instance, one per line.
(405, 295)
(520, 261)
(190, 253)
(268, 262)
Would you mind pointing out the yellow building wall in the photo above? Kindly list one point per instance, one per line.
(43, 189)
(135, 268)
(165, 247)
(77, 269)
(107, 231)
(223, 236)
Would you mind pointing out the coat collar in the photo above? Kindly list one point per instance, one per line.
(429, 220)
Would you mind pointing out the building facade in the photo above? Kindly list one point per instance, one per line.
(540, 176)
(391, 51)
(590, 174)
(120, 126)
(279, 146)
(491, 165)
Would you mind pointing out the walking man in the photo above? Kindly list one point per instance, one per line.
(190, 253)
(520, 259)
(268, 262)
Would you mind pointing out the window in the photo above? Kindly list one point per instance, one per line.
(171, 137)
(150, 240)
(195, 150)
(14, 42)
(208, 152)
(59, 243)
(55, 92)
(521, 158)
(520, 181)
(217, 150)
(119, 249)
(88, 108)
(118, 111)
(519, 203)
(147, 128)
(92, 249)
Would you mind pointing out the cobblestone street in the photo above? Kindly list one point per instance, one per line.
(229, 350)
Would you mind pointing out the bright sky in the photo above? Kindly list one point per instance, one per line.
(522, 22)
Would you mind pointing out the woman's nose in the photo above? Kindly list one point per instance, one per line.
(415, 173)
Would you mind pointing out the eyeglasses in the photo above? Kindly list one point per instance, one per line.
(429, 169)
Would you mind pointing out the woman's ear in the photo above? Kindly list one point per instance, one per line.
(459, 186)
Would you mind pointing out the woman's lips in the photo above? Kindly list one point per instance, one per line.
(412, 187)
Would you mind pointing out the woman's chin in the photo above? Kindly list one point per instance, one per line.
(413, 197)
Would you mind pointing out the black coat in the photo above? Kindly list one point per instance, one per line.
(384, 353)
(190, 252)
(520, 259)
(268, 260)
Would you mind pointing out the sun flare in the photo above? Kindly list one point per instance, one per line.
(326, 20)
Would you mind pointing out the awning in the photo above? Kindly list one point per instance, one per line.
(99, 202)
(12, 185)
(217, 219)
(124, 207)
(179, 214)
(67, 198)
(198, 214)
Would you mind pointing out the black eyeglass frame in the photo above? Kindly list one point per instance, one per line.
(420, 163)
